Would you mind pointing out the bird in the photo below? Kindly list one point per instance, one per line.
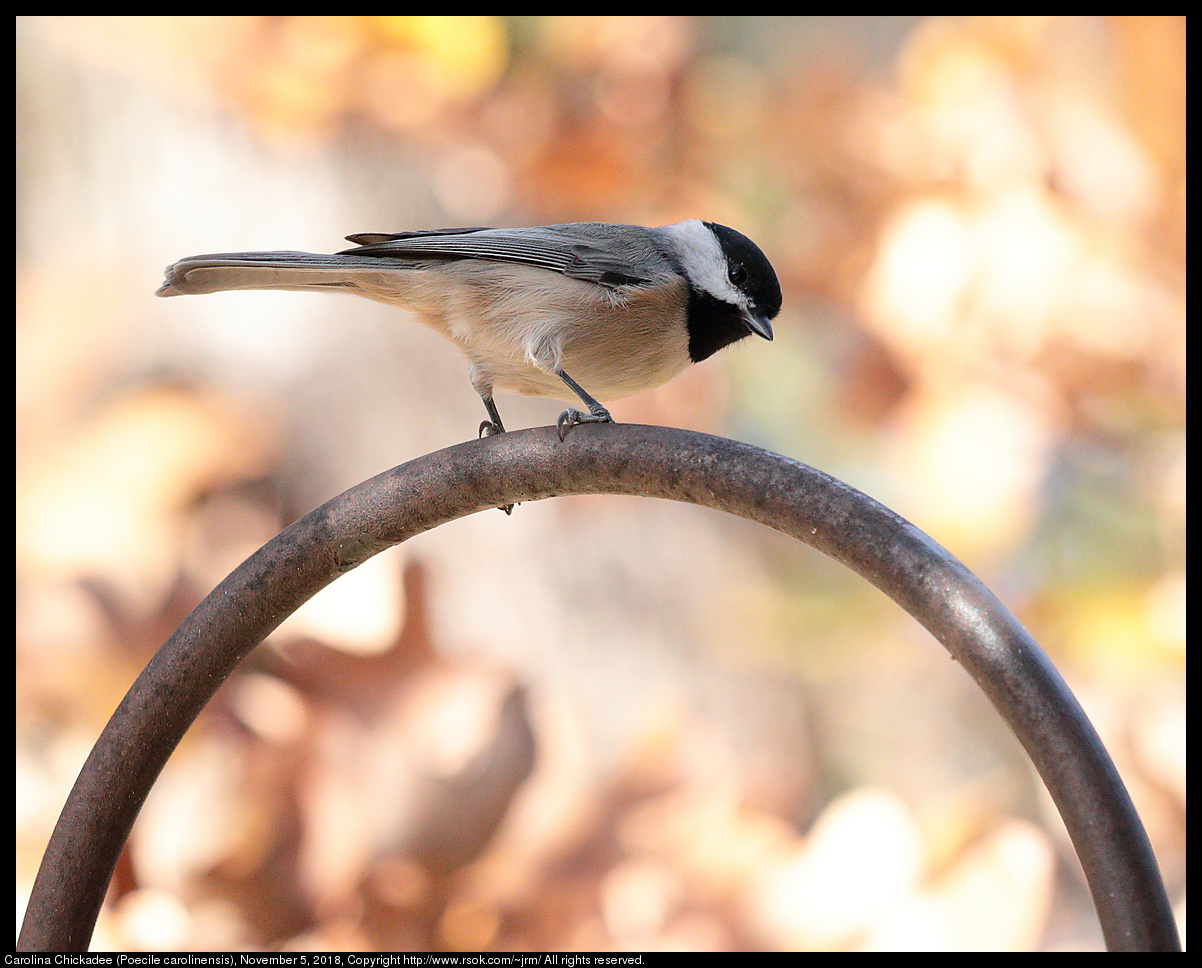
(584, 309)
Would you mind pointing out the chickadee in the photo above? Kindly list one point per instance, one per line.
(619, 308)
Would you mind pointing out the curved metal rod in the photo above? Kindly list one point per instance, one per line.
(602, 459)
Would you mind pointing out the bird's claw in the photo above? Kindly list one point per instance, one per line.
(571, 417)
(489, 428)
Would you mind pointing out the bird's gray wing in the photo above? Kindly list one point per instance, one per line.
(608, 255)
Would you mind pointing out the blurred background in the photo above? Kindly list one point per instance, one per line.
(603, 722)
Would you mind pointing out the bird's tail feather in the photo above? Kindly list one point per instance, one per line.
(294, 271)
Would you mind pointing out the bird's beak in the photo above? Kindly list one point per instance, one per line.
(759, 325)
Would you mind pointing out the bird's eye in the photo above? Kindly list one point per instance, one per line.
(737, 274)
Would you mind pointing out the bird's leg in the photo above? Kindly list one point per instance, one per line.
(571, 417)
(493, 424)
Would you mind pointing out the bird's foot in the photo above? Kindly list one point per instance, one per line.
(490, 428)
(571, 417)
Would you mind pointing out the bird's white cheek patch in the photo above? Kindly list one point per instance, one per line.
(704, 261)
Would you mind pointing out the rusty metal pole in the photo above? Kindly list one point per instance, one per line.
(531, 465)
